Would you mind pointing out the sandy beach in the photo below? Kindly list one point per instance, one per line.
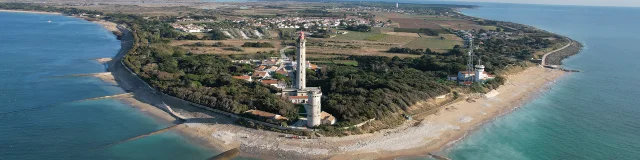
(103, 60)
(110, 26)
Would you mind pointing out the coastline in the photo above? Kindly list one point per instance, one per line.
(144, 99)
(34, 12)
(220, 133)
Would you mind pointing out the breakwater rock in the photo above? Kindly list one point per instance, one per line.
(557, 57)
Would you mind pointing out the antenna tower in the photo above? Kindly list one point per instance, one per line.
(469, 62)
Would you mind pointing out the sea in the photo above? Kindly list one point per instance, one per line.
(44, 113)
(592, 114)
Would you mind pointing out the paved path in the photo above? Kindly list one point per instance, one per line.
(544, 58)
(131, 83)
(282, 55)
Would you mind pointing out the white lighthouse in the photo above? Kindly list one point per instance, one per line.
(313, 108)
(301, 93)
(301, 70)
(480, 75)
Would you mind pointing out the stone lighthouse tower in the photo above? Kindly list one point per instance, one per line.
(313, 108)
(301, 70)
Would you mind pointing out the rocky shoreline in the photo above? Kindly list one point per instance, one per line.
(557, 57)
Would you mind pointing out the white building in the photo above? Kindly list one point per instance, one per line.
(314, 116)
(478, 75)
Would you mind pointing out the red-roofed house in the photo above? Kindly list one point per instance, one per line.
(271, 69)
(260, 68)
(246, 78)
(327, 118)
(261, 74)
(266, 115)
(283, 72)
(273, 82)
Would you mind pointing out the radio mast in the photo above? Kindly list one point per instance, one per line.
(469, 63)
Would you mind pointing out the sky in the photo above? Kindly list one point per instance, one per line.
(624, 3)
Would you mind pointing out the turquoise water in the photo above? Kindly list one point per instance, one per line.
(32, 53)
(588, 115)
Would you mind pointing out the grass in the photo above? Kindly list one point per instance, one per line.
(343, 62)
(346, 62)
(353, 35)
(376, 37)
(397, 39)
(433, 44)
(489, 27)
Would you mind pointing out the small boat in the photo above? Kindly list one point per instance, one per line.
(49, 21)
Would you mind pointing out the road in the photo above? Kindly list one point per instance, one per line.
(544, 58)
(282, 52)
(131, 83)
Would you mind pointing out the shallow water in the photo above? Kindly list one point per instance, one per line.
(40, 117)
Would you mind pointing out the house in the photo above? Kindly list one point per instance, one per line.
(283, 72)
(465, 75)
(327, 118)
(266, 114)
(271, 62)
(313, 66)
(275, 83)
(246, 78)
(298, 99)
(260, 68)
(478, 75)
(271, 69)
(261, 74)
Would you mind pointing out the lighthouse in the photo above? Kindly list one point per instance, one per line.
(313, 108)
(301, 70)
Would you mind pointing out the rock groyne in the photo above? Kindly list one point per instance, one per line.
(557, 57)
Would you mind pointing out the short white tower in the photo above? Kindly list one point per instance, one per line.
(479, 73)
(313, 108)
(396, 4)
(301, 72)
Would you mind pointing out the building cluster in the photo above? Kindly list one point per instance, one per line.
(304, 22)
(188, 19)
(190, 28)
(373, 9)
(471, 34)
(267, 68)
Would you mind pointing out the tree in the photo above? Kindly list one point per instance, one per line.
(359, 28)
(217, 35)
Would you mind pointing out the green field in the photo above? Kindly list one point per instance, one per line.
(346, 62)
(432, 43)
(489, 27)
(343, 62)
(376, 37)
(353, 35)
